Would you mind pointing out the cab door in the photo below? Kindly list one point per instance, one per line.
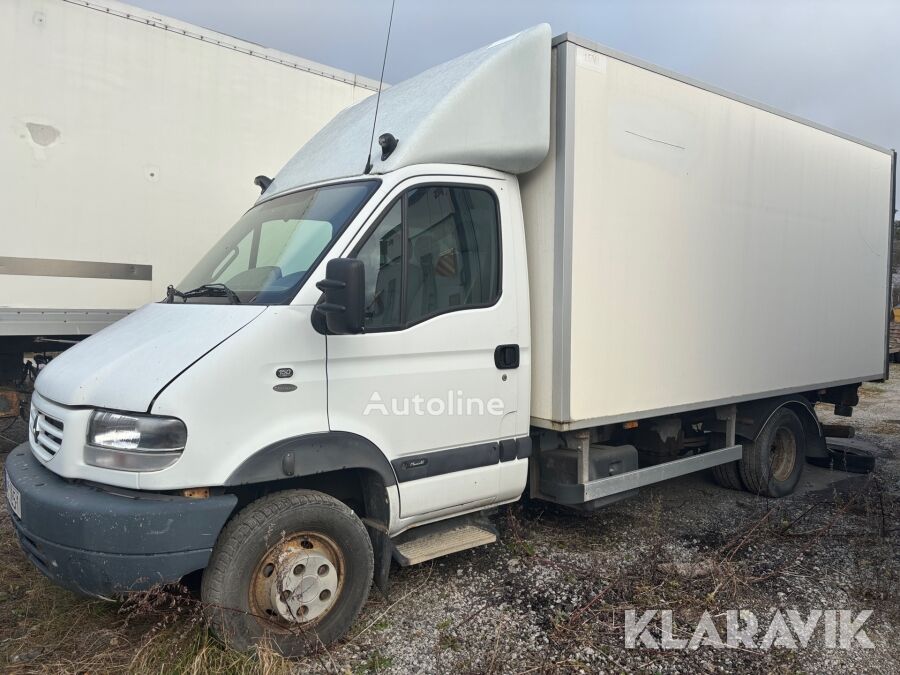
(422, 381)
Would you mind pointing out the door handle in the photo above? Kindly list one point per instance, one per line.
(506, 357)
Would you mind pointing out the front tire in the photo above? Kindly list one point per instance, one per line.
(293, 568)
(773, 463)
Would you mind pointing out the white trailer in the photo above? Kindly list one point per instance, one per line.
(128, 140)
(557, 262)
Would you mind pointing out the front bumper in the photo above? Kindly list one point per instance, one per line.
(107, 542)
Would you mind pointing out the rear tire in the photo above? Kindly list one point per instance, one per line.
(773, 463)
(293, 569)
(726, 475)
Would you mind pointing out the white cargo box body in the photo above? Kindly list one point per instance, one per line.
(129, 144)
(687, 248)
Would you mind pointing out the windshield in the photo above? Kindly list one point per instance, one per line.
(267, 255)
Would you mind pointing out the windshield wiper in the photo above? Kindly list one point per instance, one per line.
(204, 291)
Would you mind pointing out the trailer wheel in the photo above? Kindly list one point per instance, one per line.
(772, 464)
(293, 568)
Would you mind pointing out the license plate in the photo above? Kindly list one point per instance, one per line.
(15, 499)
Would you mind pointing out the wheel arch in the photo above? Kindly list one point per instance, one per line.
(344, 465)
(312, 454)
(753, 416)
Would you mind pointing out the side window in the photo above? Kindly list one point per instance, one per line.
(454, 250)
(382, 259)
(451, 258)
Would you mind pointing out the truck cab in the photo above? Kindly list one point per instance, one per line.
(251, 426)
(199, 406)
(372, 357)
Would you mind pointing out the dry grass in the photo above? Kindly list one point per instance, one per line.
(44, 629)
(743, 567)
(49, 630)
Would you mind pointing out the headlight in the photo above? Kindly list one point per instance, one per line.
(134, 442)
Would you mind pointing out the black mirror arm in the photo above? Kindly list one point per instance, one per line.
(328, 307)
(330, 284)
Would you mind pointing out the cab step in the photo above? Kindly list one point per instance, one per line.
(442, 538)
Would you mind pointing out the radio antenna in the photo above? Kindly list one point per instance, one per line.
(380, 84)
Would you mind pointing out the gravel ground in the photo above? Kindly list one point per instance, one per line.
(551, 595)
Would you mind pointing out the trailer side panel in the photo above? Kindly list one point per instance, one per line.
(719, 251)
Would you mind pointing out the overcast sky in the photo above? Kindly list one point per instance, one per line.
(836, 62)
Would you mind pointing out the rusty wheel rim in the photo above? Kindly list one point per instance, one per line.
(783, 454)
(298, 581)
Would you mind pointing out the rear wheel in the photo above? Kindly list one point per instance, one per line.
(293, 568)
(726, 475)
(773, 463)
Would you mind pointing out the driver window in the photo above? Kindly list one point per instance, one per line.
(453, 250)
(436, 250)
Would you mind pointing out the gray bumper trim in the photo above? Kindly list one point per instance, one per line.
(101, 542)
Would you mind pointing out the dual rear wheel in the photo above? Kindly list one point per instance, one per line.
(772, 464)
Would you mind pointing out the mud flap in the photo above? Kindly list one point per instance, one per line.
(383, 550)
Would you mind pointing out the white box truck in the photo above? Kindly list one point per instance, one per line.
(558, 269)
(129, 140)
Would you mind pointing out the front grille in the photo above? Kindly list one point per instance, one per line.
(46, 433)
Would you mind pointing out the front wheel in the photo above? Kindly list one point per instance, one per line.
(293, 568)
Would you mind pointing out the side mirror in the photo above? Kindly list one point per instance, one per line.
(344, 301)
